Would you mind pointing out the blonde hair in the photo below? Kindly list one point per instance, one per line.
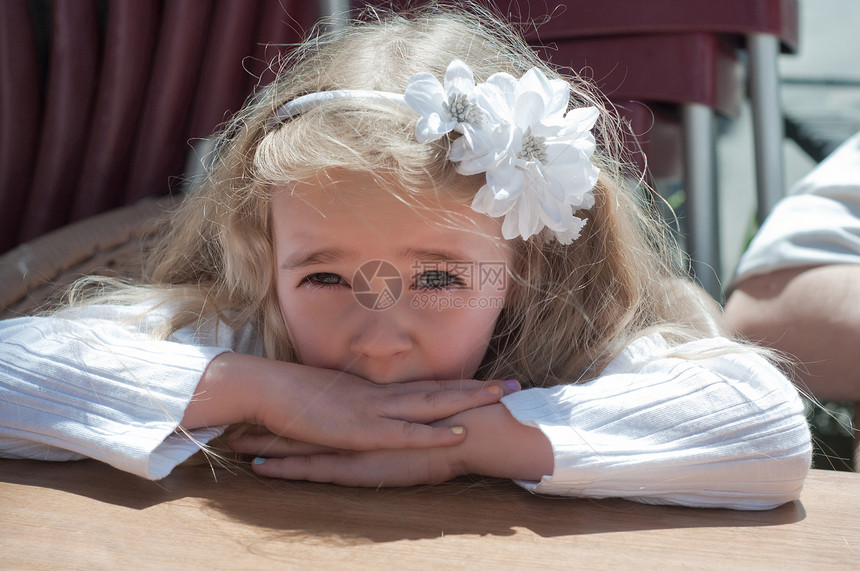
(570, 308)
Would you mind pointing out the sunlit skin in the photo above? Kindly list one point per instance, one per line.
(440, 326)
(322, 234)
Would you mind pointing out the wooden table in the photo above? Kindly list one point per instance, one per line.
(88, 515)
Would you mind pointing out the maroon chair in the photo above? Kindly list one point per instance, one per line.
(20, 115)
(668, 86)
(125, 94)
(735, 17)
(761, 27)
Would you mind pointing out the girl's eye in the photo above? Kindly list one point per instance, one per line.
(323, 279)
(437, 279)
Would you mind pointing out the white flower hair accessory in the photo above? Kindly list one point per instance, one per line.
(535, 153)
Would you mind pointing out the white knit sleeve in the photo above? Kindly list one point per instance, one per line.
(97, 385)
(726, 430)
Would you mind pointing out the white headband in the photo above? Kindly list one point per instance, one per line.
(535, 153)
(301, 104)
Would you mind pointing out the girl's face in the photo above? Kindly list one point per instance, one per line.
(374, 287)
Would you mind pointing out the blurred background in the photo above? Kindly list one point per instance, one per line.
(820, 95)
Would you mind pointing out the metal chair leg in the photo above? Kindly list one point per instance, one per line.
(336, 10)
(767, 120)
(702, 205)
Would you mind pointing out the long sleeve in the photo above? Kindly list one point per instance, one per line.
(96, 384)
(721, 427)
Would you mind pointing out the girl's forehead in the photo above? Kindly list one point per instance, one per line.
(359, 204)
(358, 185)
(361, 194)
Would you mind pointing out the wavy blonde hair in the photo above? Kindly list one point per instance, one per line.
(570, 308)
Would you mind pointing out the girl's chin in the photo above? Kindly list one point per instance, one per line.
(406, 378)
(389, 375)
(390, 379)
(381, 377)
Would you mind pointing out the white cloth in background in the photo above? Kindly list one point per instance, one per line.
(817, 223)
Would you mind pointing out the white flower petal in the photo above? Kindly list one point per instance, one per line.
(477, 141)
(528, 218)
(507, 183)
(572, 167)
(579, 121)
(534, 80)
(432, 127)
(494, 102)
(572, 232)
(425, 94)
(555, 93)
(586, 202)
(472, 165)
(510, 227)
(486, 202)
(559, 97)
(555, 215)
(506, 86)
(483, 200)
(529, 110)
(521, 221)
(459, 78)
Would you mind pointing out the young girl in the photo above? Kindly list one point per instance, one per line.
(416, 202)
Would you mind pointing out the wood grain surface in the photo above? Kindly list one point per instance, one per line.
(87, 515)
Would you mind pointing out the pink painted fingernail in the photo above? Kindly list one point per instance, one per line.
(512, 384)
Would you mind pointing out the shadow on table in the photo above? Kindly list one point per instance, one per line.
(281, 509)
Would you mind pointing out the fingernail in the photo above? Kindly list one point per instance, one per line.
(259, 461)
(512, 384)
(493, 389)
(458, 430)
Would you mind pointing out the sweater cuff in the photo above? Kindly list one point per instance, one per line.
(102, 392)
(177, 448)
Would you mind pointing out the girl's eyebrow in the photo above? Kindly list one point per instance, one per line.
(325, 256)
(334, 255)
(433, 255)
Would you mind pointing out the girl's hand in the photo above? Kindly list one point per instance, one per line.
(332, 408)
(294, 460)
(496, 445)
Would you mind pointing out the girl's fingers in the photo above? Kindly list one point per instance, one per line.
(271, 445)
(507, 387)
(324, 468)
(395, 434)
(386, 434)
(423, 407)
(367, 469)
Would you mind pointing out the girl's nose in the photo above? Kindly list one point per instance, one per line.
(380, 334)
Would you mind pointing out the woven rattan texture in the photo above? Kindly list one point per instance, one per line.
(35, 275)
